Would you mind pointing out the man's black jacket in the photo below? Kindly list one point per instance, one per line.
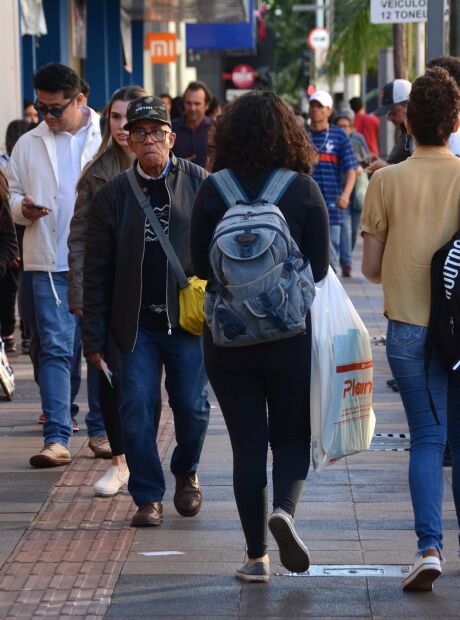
(114, 251)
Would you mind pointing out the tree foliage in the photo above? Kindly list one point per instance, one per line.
(355, 39)
(291, 31)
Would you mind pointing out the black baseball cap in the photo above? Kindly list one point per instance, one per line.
(147, 108)
(394, 92)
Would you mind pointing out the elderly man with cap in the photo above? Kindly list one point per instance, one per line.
(130, 288)
(393, 103)
(335, 173)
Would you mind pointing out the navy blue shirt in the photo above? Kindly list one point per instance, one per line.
(335, 158)
(192, 141)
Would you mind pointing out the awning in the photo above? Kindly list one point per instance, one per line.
(188, 10)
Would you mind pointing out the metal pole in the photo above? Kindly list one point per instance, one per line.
(420, 49)
(435, 40)
(454, 28)
(320, 13)
(386, 74)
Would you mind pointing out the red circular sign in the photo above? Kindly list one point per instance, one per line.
(243, 76)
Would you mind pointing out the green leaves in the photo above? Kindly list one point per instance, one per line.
(291, 31)
(355, 39)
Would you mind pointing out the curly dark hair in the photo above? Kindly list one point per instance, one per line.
(450, 63)
(258, 131)
(433, 108)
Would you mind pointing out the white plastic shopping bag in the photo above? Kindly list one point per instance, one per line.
(342, 419)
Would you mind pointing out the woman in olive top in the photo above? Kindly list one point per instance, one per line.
(411, 210)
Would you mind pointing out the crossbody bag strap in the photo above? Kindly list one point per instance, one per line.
(146, 207)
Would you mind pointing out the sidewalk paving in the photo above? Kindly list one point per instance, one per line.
(65, 553)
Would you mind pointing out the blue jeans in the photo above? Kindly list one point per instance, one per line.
(26, 300)
(345, 238)
(185, 382)
(334, 246)
(405, 352)
(93, 419)
(355, 224)
(56, 333)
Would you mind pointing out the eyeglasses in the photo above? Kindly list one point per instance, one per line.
(56, 110)
(140, 135)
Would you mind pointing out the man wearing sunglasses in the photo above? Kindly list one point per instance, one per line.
(130, 288)
(42, 174)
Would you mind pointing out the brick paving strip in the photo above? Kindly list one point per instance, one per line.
(69, 559)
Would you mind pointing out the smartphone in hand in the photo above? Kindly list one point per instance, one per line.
(34, 206)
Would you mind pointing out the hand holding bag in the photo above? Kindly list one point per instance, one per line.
(342, 419)
(191, 294)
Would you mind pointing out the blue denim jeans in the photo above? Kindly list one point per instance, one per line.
(405, 352)
(56, 333)
(345, 238)
(185, 382)
(355, 224)
(93, 419)
(334, 246)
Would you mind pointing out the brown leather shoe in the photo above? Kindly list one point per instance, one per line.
(188, 497)
(100, 446)
(148, 515)
(52, 455)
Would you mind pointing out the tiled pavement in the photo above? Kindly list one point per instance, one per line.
(66, 553)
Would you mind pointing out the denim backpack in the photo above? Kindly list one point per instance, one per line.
(263, 286)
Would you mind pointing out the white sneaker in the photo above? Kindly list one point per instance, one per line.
(423, 573)
(111, 482)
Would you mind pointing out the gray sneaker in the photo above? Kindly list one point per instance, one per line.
(293, 553)
(258, 572)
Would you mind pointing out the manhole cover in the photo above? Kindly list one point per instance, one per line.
(352, 570)
(399, 442)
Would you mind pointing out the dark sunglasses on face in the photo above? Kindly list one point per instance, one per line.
(56, 110)
(140, 135)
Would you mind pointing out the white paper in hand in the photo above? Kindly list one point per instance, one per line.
(108, 373)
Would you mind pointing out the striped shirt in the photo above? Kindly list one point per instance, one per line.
(335, 160)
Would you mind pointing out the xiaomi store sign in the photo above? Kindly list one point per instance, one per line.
(161, 46)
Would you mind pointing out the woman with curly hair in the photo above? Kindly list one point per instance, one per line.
(264, 389)
(411, 210)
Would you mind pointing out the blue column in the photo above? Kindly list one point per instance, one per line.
(137, 76)
(96, 63)
(52, 47)
(103, 67)
(115, 57)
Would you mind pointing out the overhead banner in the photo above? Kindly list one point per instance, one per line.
(402, 11)
(79, 28)
(33, 18)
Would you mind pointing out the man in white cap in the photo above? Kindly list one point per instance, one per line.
(335, 173)
(393, 103)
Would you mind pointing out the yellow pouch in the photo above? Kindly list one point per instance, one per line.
(191, 306)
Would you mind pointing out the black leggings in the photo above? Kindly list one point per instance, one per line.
(8, 290)
(247, 381)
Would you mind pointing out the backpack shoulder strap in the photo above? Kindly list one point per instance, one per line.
(228, 187)
(277, 184)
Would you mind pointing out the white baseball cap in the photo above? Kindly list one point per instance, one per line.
(394, 92)
(323, 97)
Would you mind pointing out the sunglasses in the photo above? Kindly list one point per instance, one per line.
(56, 110)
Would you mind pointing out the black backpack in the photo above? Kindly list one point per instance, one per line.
(444, 325)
